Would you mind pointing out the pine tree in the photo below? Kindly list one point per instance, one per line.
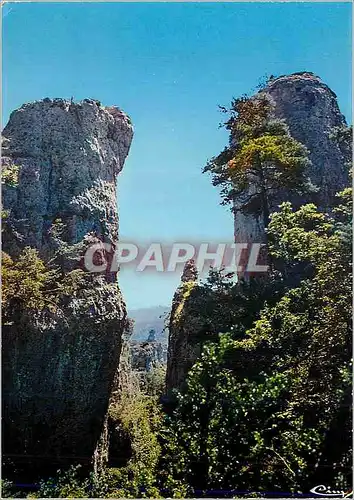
(261, 161)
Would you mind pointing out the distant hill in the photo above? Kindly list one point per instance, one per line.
(149, 318)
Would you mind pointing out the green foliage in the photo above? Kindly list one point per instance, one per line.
(4, 215)
(269, 409)
(343, 137)
(8, 490)
(261, 160)
(25, 282)
(67, 484)
(220, 304)
(10, 175)
(30, 287)
(109, 483)
(136, 418)
(153, 383)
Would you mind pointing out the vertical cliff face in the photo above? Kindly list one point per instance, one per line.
(58, 373)
(311, 111)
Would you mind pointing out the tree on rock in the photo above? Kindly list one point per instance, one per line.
(261, 161)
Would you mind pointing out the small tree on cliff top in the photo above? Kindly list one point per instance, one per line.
(261, 161)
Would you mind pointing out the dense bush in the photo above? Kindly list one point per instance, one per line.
(270, 410)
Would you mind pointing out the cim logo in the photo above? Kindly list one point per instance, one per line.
(326, 491)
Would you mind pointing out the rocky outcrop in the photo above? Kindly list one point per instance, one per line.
(311, 111)
(69, 155)
(147, 355)
(183, 349)
(58, 373)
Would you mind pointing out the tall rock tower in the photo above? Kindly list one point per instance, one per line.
(69, 156)
(311, 111)
(58, 373)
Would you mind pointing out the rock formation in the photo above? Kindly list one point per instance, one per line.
(58, 373)
(311, 111)
(69, 156)
(184, 322)
(147, 355)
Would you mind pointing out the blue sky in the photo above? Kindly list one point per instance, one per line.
(169, 66)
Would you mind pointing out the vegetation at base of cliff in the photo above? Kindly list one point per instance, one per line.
(135, 419)
(264, 410)
(271, 410)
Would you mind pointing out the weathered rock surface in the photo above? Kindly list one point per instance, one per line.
(69, 156)
(311, 111)
(58, 374)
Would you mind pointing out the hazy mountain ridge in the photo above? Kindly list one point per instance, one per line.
(149, 318)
